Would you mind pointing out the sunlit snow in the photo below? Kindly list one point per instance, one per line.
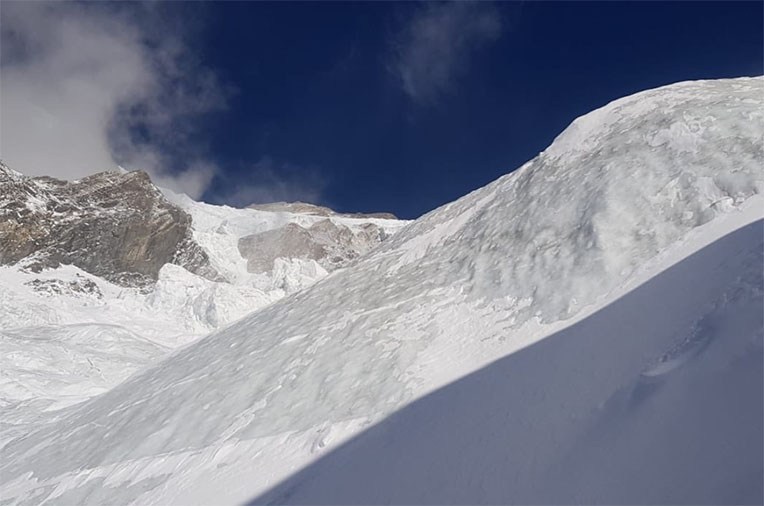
(616, 278)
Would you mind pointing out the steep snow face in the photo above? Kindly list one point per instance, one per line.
(655, 399)
(613, 190)
(620, 196)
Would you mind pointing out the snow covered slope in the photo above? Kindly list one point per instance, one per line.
(624, 194)
(68, 333)
(655, 399)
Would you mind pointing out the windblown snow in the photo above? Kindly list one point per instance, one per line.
(616, 277)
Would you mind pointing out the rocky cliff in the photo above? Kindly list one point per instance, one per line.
(115, 225)
(332, 245)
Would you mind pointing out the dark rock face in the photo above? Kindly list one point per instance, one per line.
(115, 225)
(330, 244)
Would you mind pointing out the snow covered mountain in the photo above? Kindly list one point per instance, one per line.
(107, 274)
(586, 329)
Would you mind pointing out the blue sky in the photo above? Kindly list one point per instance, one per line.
(382, 106)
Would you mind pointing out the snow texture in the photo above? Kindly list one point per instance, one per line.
(632, 348)
(606, 411)
(99, 333)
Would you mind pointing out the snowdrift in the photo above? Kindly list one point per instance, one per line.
(623, 194)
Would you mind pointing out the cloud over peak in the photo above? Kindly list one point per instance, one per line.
(433, 48)
(84, 87)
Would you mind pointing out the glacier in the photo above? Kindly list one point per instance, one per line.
(616, 277)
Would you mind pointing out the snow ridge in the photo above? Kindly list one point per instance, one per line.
(612, 191)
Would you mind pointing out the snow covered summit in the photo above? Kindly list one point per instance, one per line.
(618, 238)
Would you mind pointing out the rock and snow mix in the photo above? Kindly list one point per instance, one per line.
(45, 299)
(602, 270)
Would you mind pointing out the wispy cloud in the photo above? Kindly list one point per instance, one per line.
(434, 46)
(84, 87)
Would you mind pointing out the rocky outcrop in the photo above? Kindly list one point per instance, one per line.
(55, 287)
(115, 225)
(331, 244)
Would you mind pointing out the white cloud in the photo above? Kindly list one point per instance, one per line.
(434, 47)
(77, 81)
(193, 181)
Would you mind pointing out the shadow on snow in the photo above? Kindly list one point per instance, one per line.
(638, 403)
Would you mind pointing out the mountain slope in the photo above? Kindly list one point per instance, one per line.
(105, 275)
(621, 195)
(655, 399)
